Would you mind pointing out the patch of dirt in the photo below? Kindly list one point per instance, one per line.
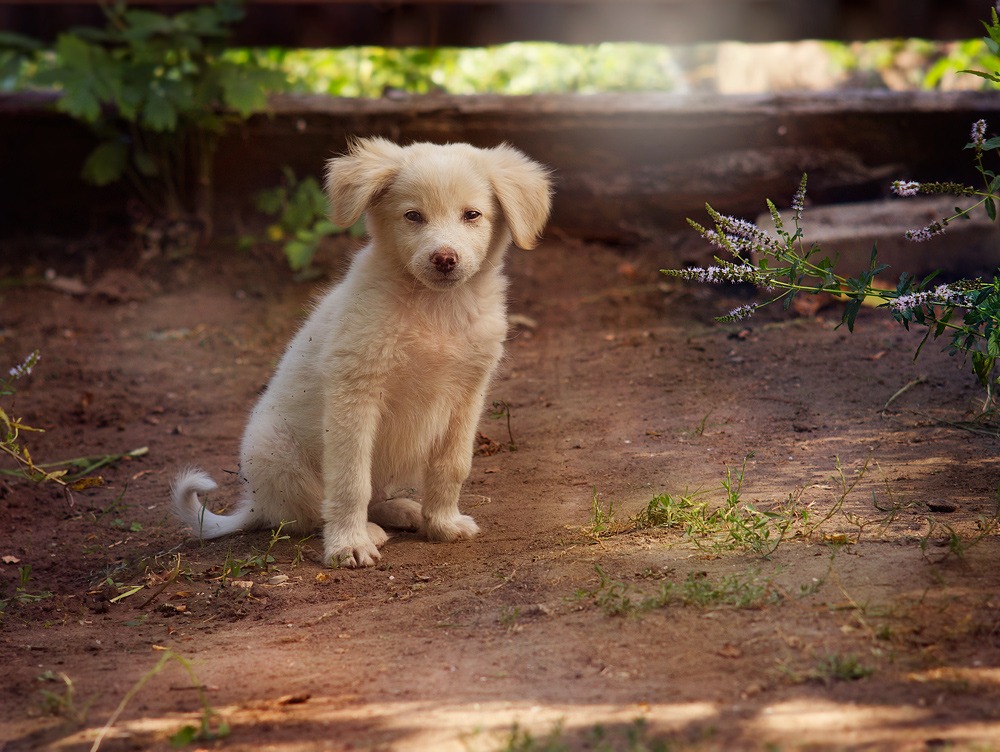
(873, 630)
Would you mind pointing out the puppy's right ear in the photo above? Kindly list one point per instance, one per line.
(354, 181)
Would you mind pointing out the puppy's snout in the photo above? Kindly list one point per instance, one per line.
(444, 260)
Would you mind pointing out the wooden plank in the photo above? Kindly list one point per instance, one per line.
(336, 23)
(627, 167)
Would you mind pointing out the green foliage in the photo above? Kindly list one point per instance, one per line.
(738, 525)
(518, 68)
(735, 524)
(992, 43)
(617, 598)
(159, 91)
(300, 207)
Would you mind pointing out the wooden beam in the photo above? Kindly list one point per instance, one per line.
(338, 23)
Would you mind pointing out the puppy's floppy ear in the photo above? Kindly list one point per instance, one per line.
(355, 180)
(524, 191)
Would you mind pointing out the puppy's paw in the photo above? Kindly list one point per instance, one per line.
(377, 534)
(450, 529)
(360, 552)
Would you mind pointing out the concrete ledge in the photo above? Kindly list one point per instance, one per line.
(627, 166)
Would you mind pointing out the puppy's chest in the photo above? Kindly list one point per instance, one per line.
(464, 349)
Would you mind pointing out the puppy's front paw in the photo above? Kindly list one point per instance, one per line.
(360, 551)
(450, 529)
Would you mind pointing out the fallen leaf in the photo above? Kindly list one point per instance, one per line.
(11, 560)
(730, 651)
(293, 699)
(85, 483)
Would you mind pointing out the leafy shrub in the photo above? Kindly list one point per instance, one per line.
(158, 91)
(300, 208)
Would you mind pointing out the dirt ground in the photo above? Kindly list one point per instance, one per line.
(876, 630)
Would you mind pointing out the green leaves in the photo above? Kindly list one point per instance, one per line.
(300, 207)
(157, 89)
(106, 163)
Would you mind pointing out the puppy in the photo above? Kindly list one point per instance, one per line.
(383, 387)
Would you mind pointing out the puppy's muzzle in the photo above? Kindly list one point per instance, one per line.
(444, 260)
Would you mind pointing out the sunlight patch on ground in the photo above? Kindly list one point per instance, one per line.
(408, 726)
(824, 722)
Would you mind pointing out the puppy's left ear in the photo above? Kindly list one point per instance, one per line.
(524, 191)
(356, 180)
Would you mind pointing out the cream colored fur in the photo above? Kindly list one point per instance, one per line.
(384, 385)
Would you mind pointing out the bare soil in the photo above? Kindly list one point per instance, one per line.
(876, 630)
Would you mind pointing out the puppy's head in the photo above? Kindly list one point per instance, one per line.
(442, 211)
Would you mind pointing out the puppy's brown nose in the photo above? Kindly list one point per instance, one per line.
(444, 260)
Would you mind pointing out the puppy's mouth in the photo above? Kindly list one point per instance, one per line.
(438, 281)
(442, 269)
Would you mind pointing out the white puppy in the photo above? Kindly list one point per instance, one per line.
(384, 385)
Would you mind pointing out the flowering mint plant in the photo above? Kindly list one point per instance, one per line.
(782, 266)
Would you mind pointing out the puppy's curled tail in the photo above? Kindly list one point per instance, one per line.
(188, 507)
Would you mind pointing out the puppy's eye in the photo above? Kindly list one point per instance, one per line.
(414, 216)
(472, 215)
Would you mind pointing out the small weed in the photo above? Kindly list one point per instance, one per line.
(602, 521)
(508, 618)
(632, 738)
(738, 524)
(957, 546)
(64, 705)
(501, 409)
(76, 471)
(617, 598)
(734, 524)
(829, 669)
(264, 560)
(699, 430)
(298, 551)
(23, 594)
(669, 511)
(521, 740)
(233, 568)
(751, 591)
(206, 731)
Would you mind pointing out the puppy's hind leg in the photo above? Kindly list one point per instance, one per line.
(400, 513)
